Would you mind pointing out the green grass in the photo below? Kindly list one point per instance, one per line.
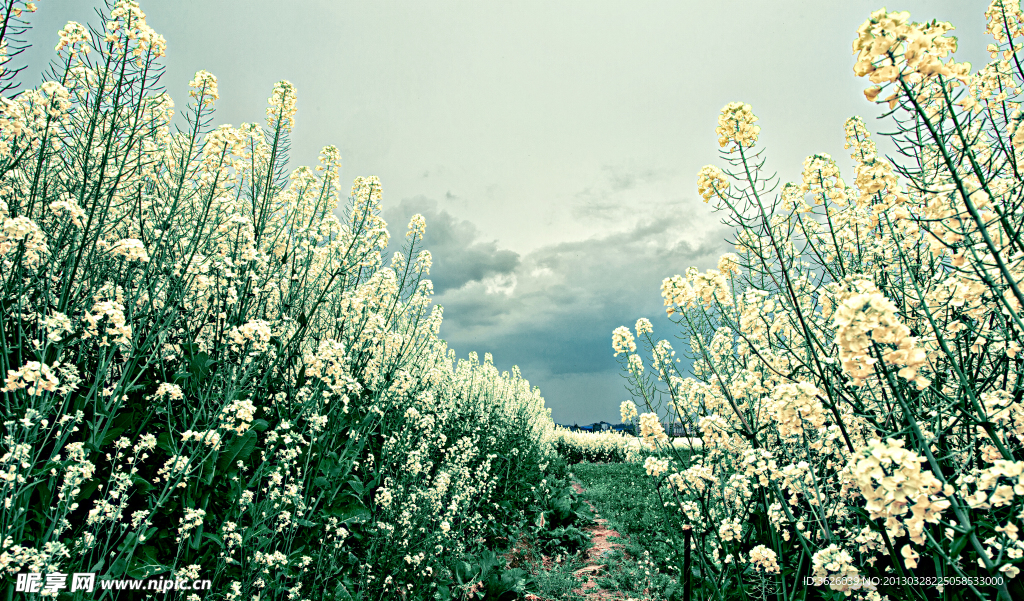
(622, 493)
(559, 581)
(553, 579)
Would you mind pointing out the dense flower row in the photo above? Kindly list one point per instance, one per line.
(209, 368)
(610, 446)
(595, 447)
(856, 368)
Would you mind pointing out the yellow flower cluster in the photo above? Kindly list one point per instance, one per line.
(822, 180)
(677, 292)
(417, 226)
(68, 207)
(282, 107)
(865, 318)
(736, 126)
(795, 408)
(203, 88)
(627, 411)
(128, 19)
(711, 182)
(764, 559)
(1005, 22)
(623, 341)
(730, 530)
(117, 328)
(75, 36)
(651, 430)
(892, 483)
(34, 377)
(729, 264)
(874, 177)
(22, 234)
(256, 332)
(655, 467)
(131, 249)
(889, 46)
(837, 565)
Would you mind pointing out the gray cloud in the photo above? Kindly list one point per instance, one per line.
(556, 321)
(459, 256)
(619, 190)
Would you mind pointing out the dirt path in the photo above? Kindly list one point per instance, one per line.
(600, 547)
(596, 562)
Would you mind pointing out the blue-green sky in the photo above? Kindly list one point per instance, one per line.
(553, 146)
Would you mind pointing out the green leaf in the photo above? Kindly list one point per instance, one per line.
(515, 579)
(958, 544)
(111, 435)
(197, 538)
(165, 442)
(117, 569)
(210, 467)
(141, 484)
(464, 573)
(341, 592)
(200, 366)
(240, 449)
(87, 488)
(145, 564)
(350, 512)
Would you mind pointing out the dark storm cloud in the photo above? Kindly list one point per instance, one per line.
(459, 256)
(555, 318)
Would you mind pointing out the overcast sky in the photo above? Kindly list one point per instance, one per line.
(552, 146)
